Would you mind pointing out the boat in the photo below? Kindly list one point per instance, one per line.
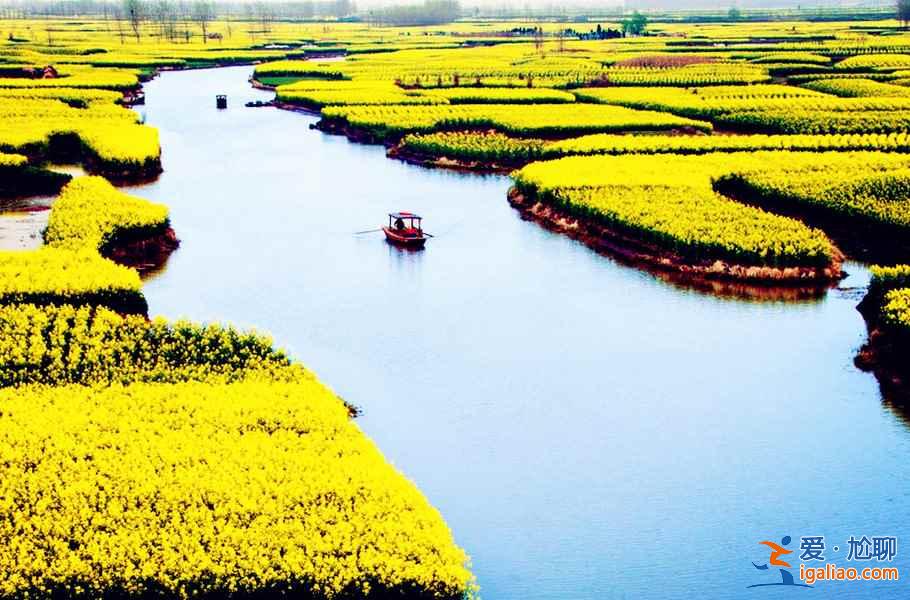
(405, 230)
(133, 98)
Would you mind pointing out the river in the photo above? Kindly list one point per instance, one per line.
(586, 429)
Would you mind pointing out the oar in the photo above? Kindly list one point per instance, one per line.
(367, 231)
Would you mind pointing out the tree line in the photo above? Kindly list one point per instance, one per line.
(430, 12)
(287, 10)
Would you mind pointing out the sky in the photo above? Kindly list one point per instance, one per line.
(666, 4)
(669, 4)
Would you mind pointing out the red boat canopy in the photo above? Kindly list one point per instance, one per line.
(404, 215)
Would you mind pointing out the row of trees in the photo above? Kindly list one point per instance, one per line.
(431, 12)
(392, 12)
(170, 18)
(167, 15)
(249, 10)
(435, 11)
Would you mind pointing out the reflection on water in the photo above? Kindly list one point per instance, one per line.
(588, 430)
(153, 273)
(22, 230)
(743, 291)
(22, 222)
(68, 169)
(717, 287)
(404, 260)
(899, 410)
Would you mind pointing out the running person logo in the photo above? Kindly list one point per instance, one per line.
(777, 551)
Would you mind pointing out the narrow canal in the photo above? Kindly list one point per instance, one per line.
(587, 430)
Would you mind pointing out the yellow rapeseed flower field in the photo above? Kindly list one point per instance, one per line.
(671, 199)
(889, 293)
(896, 310)
(57, 345)
(53, 274)
(12, 160)
(200, 488)
(112, 139)
(155, 458)
(533, 119)
(90, 213)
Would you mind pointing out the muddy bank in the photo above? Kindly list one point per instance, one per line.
(261, 86)
(123, 175)
(355, 134)
(297, 108)
(142, 250)
(886, 357)
(636, 252)
(404, 154)
(885, 353)
(333, 126)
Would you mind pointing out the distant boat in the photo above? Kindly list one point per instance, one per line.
(134, 98)
(405, 229)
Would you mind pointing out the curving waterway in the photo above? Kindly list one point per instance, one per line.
(586, 429)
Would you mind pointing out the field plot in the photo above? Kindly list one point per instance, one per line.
(228, 443)
(79, 126)
(145, 457)
(385, 122)
(492, 147)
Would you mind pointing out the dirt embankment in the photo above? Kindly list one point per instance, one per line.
(885, 353)
(143, 251)
(125, 175)
(341, 127)
(402, 153)
(261, 86)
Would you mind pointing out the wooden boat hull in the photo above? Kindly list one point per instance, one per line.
(405, 241)
(134, 100)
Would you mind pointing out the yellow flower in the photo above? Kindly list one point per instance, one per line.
(201, 488)
(90, 213)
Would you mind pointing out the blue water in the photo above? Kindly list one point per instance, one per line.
(586, 429)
